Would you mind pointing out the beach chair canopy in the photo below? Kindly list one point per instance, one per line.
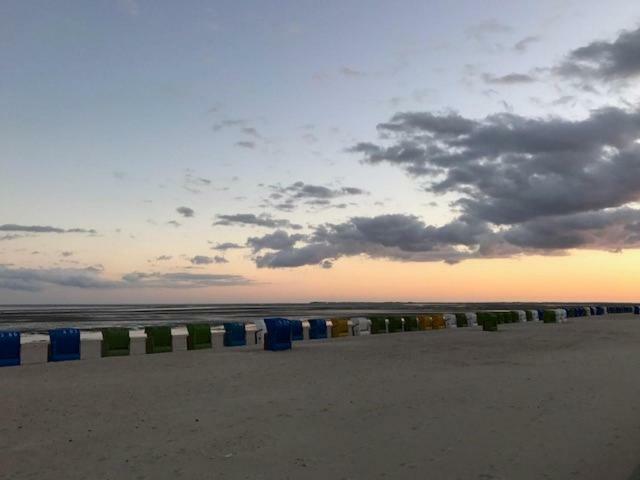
(278, 336)
(297, 332)
(461, 320)
(234, 334)
(438, 321)
(425, 322)
(378, 325)
(158, 339)
(9, 349)
(410, 323)
(64, 344)
(115, 342)
(199, 336)
(339, 327)
(317, 328)
(395, 324)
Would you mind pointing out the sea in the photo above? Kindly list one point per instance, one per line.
(41, 318)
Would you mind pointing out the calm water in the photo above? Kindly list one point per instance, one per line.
(42, 317)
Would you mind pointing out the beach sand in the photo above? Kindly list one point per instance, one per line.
(532, 401)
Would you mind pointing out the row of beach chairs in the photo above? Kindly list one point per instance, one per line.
(64, 344)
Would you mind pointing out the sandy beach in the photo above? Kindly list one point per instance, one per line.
(533, 401)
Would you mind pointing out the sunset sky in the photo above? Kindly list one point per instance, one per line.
(269, 151)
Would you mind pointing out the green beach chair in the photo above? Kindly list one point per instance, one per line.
(378, 325)
(158, 339)
(549, 316)
(529, 315)
(115, 342)
(490, 322)
(395, 324)
(199, 336)
(461, 320)
(410, 324)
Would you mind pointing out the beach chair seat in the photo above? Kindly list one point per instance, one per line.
(115, 342)
(438, 322)
(450, 320)
(410, 324)
(198, 336)
(9, 349)
(339, 327)
(489, 321)
(425, 322)
(394, 324)
(378, 325)
(297, 330)
(317, 329)
(278, 336)
(461, 320)
(361, 326)
(158, 339)
(64, 344)
(235, 334)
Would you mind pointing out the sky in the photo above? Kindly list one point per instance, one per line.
(271, 151)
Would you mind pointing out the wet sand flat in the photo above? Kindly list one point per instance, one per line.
(532, 401)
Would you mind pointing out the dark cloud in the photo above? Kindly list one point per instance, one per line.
(277, 240)
(352, 72)
(290, 197)
(262, 220)
(183, 280)
(510, 79)
(173, 223)
(195, 184)
(35, 280)
(524, 44)
(205, 260)
(10, 227)
(227, 246)
(246, 144)
(163, 258)
(66, 254)
(185, 212)
(407, 238)
(228, 123)
(398, 237)
(617, 60)
(508, 168)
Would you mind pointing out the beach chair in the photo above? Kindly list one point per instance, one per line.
(297, 331)
(235, 334)
(158, 339)
(199, 336)
(317, 329)
(439, 322)
(394, 324)
(461, 320)
(425, 322)
(450, 320)
(472, 319)
(278, 336)
(489, 321)
(378, 325)
(361, 326)
(115, 342)
(549, 316)
(9, 349)
(64, 344)
(410, 324)
(339, 327)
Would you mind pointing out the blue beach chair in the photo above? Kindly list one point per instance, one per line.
(234, 335)
(64, 344)
(279, 332)
(297, 332)
(9, 349)
(317, 329)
